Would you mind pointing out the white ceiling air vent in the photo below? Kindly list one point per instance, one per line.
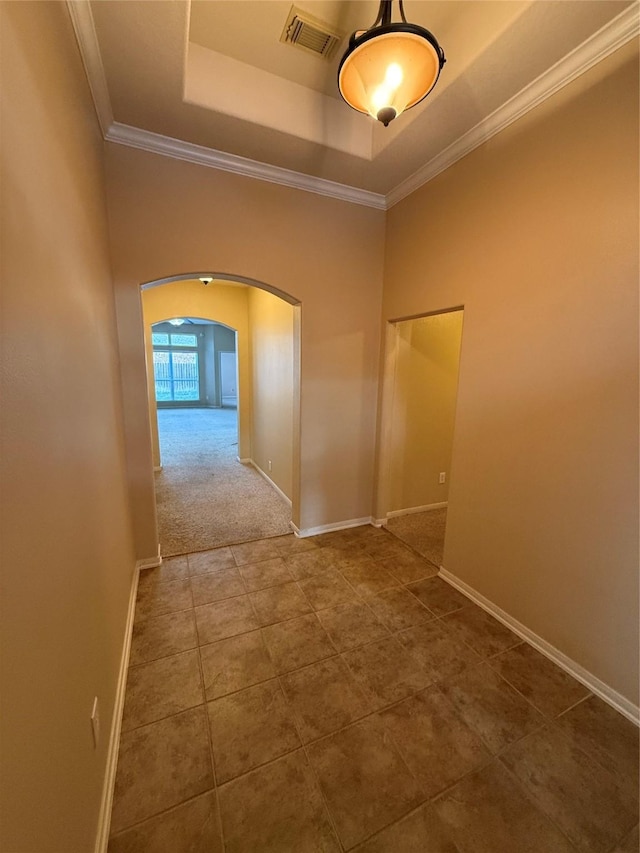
(312, 35)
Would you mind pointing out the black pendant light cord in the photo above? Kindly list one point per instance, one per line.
(384, 13)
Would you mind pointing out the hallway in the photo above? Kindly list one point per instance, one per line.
(520, 208)
(332, 693)
(205, 497)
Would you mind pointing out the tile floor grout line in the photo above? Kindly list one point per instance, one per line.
(158, 615)
(521, 694)
(215, 778)
(211, 756)
(226, 545)
(278, 674)
(172, 808)
(166, 717)
(164, 657)
(527, 794)
(492, 758)
(370, 713)
(589, 695)
(317, 780)
(412, 548)
(361, 600)
(553, 723)
(260, 766)
(549, 722)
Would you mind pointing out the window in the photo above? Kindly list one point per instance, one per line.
(175, 371)
(163, 339)
(184, 341)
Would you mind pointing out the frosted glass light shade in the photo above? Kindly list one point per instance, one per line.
(386, 73)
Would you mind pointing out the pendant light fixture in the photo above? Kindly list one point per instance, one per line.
(390, 67)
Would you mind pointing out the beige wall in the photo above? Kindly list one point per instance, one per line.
(424, 404)
(223, 303)
(536, 234)
(168, 217)
(67, 550)
(271, 322)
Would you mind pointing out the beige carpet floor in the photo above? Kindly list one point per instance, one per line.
(423, 531)
(205, 497)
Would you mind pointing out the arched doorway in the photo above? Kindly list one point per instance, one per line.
(239, 480)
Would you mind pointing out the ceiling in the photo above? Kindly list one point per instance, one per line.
(210, 80)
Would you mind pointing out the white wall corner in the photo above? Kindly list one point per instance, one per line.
(592, 682)
(150, 562)
(104, 819)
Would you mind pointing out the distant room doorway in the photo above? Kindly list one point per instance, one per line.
(228, 379)
(223, 393)
(421, 388)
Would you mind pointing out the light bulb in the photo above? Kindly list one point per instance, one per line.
(394, 75)
(381, 97)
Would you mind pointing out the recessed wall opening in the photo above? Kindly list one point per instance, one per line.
(419, 405)
(223, 392)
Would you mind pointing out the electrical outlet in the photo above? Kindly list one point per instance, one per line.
(95, 723)
(269, 463)
(443, 477)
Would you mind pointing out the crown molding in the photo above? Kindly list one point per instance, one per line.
(608, 39)
(154, 142)
(85, 30)
(597, 47)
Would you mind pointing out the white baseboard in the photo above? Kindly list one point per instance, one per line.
(396, 512)
(245, 461)
(269, 480)
(104, 820)
(157, 468)
(328, 528)
(595, 685)
(149, 562)
(380, 522)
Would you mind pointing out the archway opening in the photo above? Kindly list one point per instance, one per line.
(223, 393)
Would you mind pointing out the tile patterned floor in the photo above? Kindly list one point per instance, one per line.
(333, 694)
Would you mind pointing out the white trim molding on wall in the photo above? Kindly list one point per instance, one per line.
(330, 528)
(156, 143)
(149, 562)
(104, 819)
(267, 478)
(592, 682)
(394, 513)
(597, 47)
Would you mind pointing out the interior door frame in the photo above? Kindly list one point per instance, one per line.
(381, 498)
